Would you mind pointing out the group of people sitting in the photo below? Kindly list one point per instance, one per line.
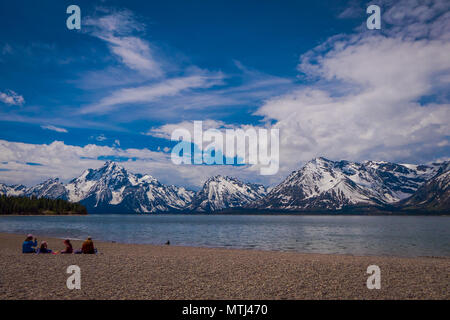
(30, 246)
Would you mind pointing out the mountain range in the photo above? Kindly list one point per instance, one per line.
(333, 185)
(320, 185)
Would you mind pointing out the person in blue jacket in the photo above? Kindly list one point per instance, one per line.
(43, 248)
(29, 245)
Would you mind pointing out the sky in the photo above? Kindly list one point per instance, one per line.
(117, 88)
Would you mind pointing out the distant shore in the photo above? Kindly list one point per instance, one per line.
(22, 205)
(132, 271)
(42, 215)
(256, 213)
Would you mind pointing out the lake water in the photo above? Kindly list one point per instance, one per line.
(357, 235)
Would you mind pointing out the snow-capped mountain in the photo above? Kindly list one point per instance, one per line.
(52, 188)
(221, 192)
(112, 189)
(14, 190)
(325, 184)
(319, 185)
(432, 195)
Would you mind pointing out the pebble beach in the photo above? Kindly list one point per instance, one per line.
(137, 271)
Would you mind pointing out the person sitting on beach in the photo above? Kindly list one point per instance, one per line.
(43, 248)
(29, 245)
(88, 246)
(68, 248)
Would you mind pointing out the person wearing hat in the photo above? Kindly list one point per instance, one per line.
(29, 246)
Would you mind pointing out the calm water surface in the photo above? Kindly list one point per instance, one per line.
(357, 235)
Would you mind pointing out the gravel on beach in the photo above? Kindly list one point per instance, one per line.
(133, 271)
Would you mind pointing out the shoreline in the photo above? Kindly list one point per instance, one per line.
(143, 271)
(43, 236)
(259, 213)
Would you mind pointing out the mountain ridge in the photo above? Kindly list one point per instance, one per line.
(223, 192)
(332, 185)
(320, 185)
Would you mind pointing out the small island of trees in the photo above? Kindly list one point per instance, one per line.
(42, 206)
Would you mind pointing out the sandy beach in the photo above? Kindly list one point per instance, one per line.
(129, 271)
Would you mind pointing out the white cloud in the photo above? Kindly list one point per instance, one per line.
(165, 131)
(151, 93)
(11, 98)
(66, 162)
(418, 19)
(368, 96)
(367, 100)
(53, 128)
(226, 135)
(115, 28)
(135, 53)
(181, 93)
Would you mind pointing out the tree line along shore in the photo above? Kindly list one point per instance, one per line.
(10, 205)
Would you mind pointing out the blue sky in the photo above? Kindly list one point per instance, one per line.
(309, 68)
(53, 68)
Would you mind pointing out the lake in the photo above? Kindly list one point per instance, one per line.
(356, 235)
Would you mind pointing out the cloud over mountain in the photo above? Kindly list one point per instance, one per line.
(372, 95)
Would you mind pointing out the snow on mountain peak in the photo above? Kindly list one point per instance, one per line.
(326, 184)
(51, 188)
(319, 184)
(112, 188)
(222, 192)
(14, 190)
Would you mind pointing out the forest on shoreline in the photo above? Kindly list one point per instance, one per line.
(39, 206)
